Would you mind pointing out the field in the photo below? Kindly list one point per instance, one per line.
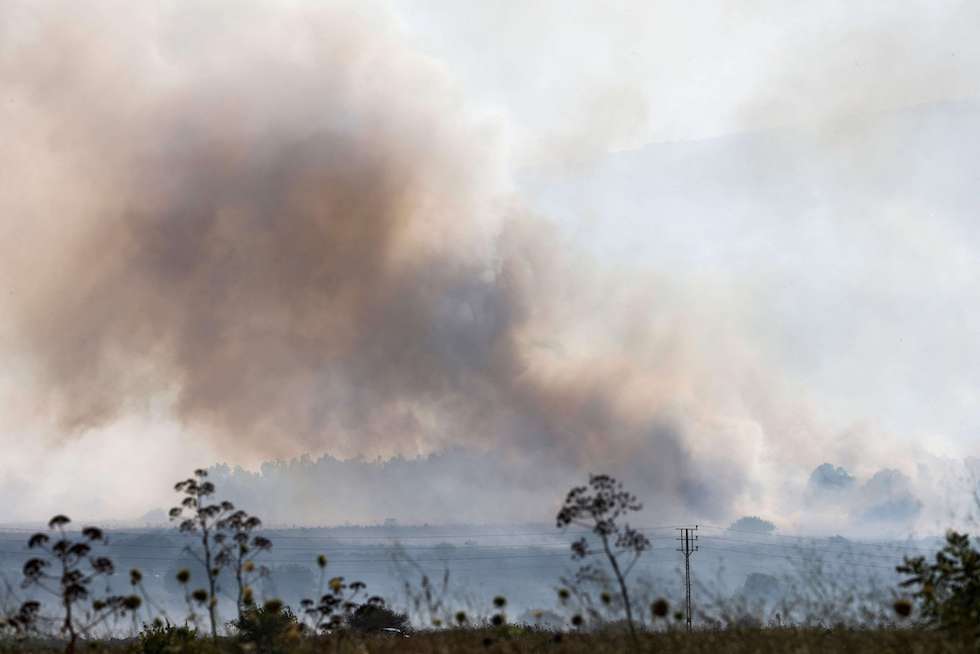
(74, 595)
(524, 641)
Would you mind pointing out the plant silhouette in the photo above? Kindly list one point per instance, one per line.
(598, 507)
(204, 519)
(66, 568)
(238, 549)
(948, 590)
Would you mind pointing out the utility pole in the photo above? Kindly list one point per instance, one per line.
(687, 548)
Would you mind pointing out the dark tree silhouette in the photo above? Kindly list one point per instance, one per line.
(598, 507)
(203, 519)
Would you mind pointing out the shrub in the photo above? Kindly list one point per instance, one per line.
(165, 638)
(375, 617)
(948, 590)
(268, 628)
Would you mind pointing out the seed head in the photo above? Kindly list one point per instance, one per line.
(183, 576)
(660, 608)
(577, 620)
(500, 601)
(903, 608)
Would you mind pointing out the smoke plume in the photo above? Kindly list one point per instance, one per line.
(292, 231)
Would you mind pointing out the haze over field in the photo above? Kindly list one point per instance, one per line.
(705, 250)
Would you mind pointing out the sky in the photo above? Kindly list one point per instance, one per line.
(741, 235)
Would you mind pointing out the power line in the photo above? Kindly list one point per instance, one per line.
(271, 532)
(800, 559)
(828, 539)
(350, 547)
(365, 560)
(802, 548)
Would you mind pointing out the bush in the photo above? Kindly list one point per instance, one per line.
(161, 638)
(948, 591)
(269, 628)
(373, 617)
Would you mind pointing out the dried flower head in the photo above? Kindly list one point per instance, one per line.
(903, 608)
(58, 521)
(93, 533)
(660, 608)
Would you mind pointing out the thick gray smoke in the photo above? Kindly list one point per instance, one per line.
(291, 228)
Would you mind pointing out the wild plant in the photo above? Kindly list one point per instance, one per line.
(598, 507)
(948, 589)
(337, 605)
(66, 569)
(204, 520)
(238, 550)
(269, 629)
(427, 601)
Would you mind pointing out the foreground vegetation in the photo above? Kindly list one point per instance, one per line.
(514, 640)
(935, 609)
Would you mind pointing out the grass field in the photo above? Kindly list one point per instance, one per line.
(797, 641)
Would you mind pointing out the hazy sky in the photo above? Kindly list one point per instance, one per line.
(767, 209)
(844, 215)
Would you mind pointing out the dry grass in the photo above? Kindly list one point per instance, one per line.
(514, 640)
